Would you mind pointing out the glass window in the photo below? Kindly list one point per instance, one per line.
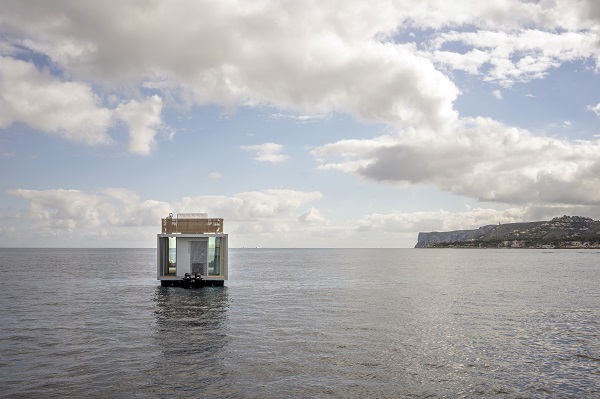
(172, 267)
(214, 256)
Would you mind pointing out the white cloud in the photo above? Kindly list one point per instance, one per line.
(313, 215)
(117, 211)
(301, 118)
(469, 62)
(251, 206)
(214, 175)
(71, 110)
(71, 209)
(119, 217)
(266, 217)
(505, 14)
(483, 159)
(40, 100)
(255, 214)
(515, 56)
(143, 120)
(414, 222)
(267, 152)
(317, 59)
(594, 108)
(312, 59)
(497, 94)
(409, 224)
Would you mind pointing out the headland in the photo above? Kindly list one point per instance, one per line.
(560, 232)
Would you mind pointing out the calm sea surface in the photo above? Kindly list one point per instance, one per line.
(304, 323)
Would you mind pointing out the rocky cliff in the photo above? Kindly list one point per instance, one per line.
(431, 239)
(558, 232)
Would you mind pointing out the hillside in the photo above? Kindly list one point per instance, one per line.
(560, 232)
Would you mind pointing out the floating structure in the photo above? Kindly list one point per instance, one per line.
(192, 251)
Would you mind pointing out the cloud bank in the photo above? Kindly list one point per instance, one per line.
(314, 57)
(74, 214)
(482, 159)
(270, 217)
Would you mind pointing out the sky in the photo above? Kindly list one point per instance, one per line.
(300, 123)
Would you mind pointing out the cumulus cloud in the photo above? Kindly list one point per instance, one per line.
(252, 205)
(268, 217)
(71, 110)
(264, 212)
(143, 120)
(316, 58)
(313, 58)
(269, 211)
(595, 109)
(313, 215)
(267, 152)
(71, 209)
(483, 159)
(38, 99)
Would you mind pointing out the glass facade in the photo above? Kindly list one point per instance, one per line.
(172, 249)
(205, 255)
(167, 256)
(214, 256)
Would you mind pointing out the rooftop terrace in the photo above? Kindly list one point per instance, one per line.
(192, 223)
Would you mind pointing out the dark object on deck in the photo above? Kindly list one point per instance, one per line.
(190, 281)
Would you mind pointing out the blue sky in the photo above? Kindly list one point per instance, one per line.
(302, 124)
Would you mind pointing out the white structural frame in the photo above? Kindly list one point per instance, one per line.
(183, 263)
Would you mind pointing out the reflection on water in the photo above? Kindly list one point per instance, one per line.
(190, 338)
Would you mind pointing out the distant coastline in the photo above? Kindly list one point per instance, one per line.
(568, 232)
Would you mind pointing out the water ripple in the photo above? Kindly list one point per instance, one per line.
(303, 324)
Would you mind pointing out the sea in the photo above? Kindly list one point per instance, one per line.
(303, 323)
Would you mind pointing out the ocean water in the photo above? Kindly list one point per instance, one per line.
(303, 323)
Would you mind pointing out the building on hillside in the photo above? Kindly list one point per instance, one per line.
(192, 251)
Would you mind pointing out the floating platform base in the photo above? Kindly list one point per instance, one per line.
(191, 283)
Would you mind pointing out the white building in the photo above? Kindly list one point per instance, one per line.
(192, 250)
